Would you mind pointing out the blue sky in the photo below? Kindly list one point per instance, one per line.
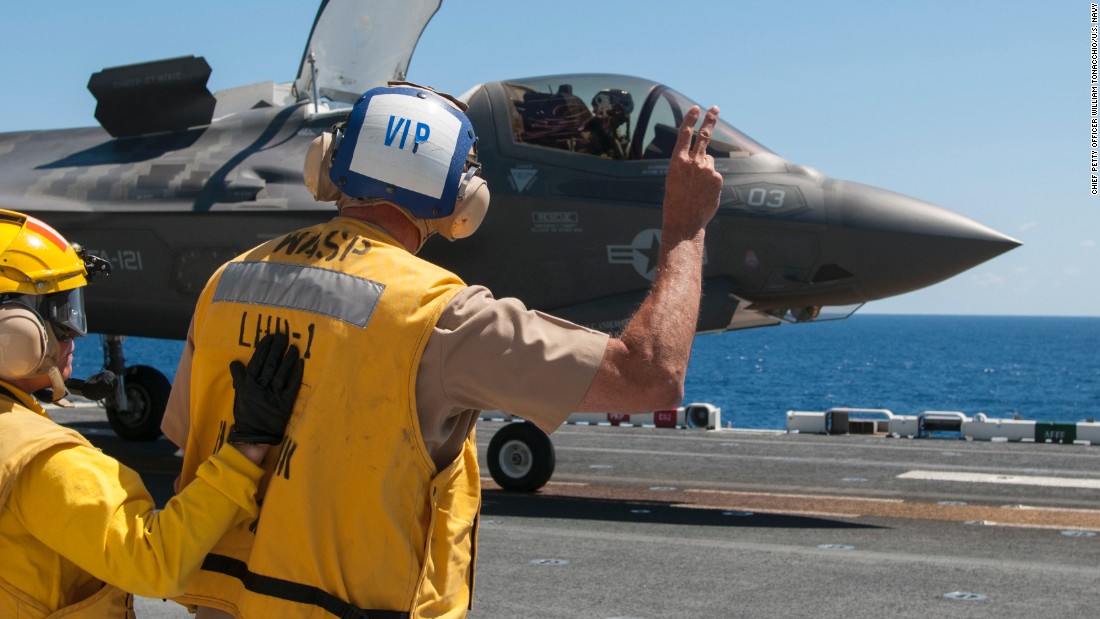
(979, 107)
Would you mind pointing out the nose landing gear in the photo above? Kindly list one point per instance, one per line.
(521, 457)
(137, 406)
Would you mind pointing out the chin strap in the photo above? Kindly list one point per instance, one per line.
(49, 367)
(55, 393)
(57, 387)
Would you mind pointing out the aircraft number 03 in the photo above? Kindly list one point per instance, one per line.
(771, 198)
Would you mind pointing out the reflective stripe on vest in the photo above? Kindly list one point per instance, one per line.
(326, 292)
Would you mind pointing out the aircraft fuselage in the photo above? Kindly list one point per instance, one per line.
(567, 232)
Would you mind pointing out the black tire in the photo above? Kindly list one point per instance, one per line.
(521, 457)
(147, 396)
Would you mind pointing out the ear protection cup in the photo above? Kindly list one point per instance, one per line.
(318, 166)
(470, 210)
(24, 344)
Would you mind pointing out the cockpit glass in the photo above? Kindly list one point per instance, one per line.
(610, 116)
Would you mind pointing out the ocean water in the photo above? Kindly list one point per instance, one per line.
(1040, 368)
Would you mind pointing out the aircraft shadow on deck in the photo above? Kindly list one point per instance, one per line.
(500, 503)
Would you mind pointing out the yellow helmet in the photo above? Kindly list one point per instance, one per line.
(42, 277)
(35, 259)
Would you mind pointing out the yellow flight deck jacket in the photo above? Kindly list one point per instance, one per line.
(73, 519)
(356, 520)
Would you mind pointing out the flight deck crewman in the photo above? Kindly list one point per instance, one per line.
(372, 507)
(78, 530)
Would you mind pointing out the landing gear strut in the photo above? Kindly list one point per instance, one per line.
(137, 406)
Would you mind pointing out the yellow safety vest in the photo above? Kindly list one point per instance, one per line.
(355, 517)
(25, 432)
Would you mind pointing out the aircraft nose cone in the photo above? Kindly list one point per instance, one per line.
(902, 244)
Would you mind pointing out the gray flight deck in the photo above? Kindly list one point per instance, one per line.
(648, 523)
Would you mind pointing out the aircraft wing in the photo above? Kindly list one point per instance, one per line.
(359, 44)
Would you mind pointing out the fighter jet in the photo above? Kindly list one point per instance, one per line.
(176, 180)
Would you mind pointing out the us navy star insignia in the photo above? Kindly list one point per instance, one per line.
(641, 253)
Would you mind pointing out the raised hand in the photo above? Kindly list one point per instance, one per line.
(693, 187)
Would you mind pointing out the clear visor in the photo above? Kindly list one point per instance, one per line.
(66, 311)
(63, 310)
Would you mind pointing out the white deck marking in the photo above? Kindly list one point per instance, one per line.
(1019, 480)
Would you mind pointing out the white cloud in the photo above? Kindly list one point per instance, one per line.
(987, 278)
(1088, 243)
(1028, 226)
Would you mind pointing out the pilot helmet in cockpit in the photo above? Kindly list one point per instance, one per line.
(613, 103)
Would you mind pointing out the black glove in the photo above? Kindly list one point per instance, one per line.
(265, 391)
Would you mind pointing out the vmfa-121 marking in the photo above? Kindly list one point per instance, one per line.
(177, 180)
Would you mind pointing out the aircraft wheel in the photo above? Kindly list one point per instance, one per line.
(147, 394)
(521, 457)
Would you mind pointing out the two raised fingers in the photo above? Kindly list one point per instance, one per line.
(687, 130)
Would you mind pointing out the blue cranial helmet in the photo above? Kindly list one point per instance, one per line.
(409, 146)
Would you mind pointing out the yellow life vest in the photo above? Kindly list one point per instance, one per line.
(25, 432)
(355, 517)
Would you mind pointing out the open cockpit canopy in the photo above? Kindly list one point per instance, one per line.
(356, 45)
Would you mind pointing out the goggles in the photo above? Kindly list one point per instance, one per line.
(63, 310)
